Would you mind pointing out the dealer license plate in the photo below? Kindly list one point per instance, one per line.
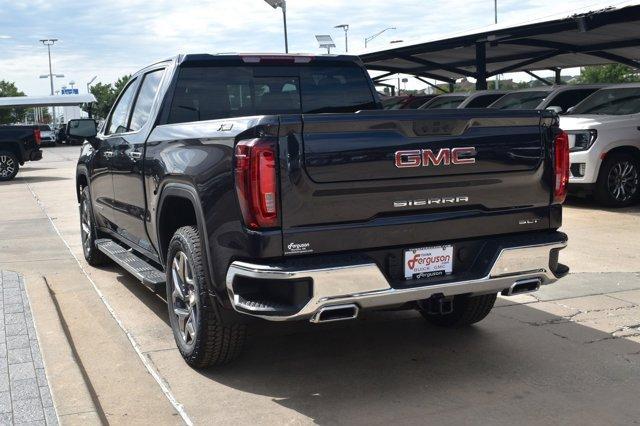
(428, 262)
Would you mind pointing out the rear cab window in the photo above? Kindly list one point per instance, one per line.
(207, 92)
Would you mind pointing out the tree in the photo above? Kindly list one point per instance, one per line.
(106, 95)
(612, 73)
(12, 115)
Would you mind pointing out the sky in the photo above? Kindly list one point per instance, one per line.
(109, 38)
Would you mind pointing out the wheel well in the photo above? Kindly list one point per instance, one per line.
(14, 149)
(81, 183)
(631, 150)
(175, 213)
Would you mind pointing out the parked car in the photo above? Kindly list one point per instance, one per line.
(605, 145)
(557, 98)
(275, 188)
(47, 135)
(18, 144)
(445, 101)
(482, 98)
(412, 102)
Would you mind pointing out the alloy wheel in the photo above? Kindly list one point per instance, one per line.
(622, 181)
(7, 166)
(85, 226)
(184, 298)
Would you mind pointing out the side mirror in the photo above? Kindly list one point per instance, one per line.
(556, 109)
(82, 129)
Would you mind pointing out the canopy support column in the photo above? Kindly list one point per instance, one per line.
(481, 66)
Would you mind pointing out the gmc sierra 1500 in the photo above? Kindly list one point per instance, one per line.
(18, 144)
(274, 187)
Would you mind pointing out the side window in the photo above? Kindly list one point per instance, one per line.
(120, 115)
(570, 98)
(145, 99)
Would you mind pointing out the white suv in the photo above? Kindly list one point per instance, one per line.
(604, 141)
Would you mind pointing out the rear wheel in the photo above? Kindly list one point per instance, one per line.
(467, 310)
(618, 181)
(200, 336)
(89, 233)
(9, 165)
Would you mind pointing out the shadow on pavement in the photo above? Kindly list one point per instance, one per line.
(155, 302)
(590, 204)
(33, 169)
(33, 179)
(393, 367)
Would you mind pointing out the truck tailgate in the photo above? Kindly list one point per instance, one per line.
(383, 178)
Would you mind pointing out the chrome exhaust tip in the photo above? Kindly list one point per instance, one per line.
(522, 287)
(335, 313)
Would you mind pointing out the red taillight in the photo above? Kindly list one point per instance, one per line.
(37, 136)
(256, 183)
(561, 167)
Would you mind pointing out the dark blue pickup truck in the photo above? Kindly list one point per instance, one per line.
(271, 187)
(18, 144)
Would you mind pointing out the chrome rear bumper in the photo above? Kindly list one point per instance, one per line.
(364, 285)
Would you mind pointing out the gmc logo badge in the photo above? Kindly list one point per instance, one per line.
(426, 157)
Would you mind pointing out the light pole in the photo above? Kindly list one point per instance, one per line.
(345, 27)
(89, 83)
(50, 42)
(283, 5)
(368, 39)
(495, 21)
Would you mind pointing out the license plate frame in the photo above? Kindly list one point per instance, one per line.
(428, 262)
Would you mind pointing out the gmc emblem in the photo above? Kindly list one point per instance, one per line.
(426, 157)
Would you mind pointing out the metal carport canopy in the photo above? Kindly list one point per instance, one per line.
(46, 101)
(585, 37)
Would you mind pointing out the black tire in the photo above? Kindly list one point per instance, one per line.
(619, 170)
(88, 232)
(466, 311)
(9, 165)
(200, 336)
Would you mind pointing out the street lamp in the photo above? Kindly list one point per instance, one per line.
(283, 5)
(368, 39)
(50, 42)
(91, 81)
(345, 27)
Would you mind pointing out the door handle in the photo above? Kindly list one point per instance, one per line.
(135, 155)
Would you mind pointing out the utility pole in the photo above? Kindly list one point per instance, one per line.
(345, 27)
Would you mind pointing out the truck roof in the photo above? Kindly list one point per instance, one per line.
(257, 57)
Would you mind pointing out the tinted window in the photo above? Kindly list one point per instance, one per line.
(569, 98)
(520, 100)
(611, 102)
(205, 93)
(417, 102)
(118, 121)
(483, 101)
(445, 102)
(145, 98)
(45, 128)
